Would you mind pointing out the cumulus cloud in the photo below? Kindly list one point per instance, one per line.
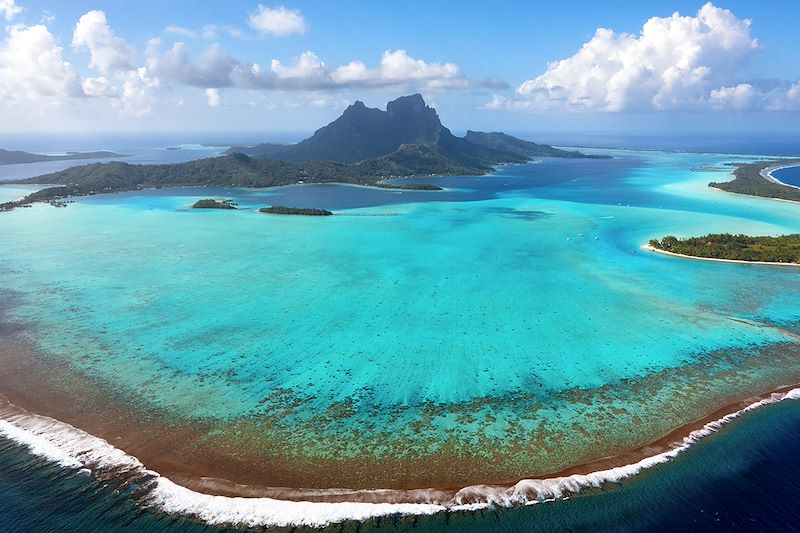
(216, 68)
(138, 92)
(214, 97)
(278, 21)
(99, 86)
(109, 52)
(397, 67)
(674, 63)
(308, 68)
(32, 65)
(9, 9)
(740, 97)
(750, 97)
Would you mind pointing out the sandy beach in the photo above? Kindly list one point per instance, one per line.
(716, 260)
(767, 174)
(176, 450)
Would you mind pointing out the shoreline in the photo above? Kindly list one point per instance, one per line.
(664, 444)
(388, 189)
(72, 448)
(752, 196)
(135, 447)
(766, 173)
(715, 259)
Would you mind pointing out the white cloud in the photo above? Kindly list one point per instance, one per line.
(132, 88)
(109, 52)
(307, 67)
(741, 97)
(750, 97)
(214, 97)
(215, 68)
(31, 66)
(497, 102)
(9, 9)
(277, 21)
(99, 86)
(180, 31)
(138, 92)
(676, 62)
(397, 67)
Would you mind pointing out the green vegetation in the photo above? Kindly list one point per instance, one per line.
(210, 203)
(408, 128)
(364, 147)
(13, 157)
(230, 171)
(283, 210)
(783, 249)
(748, 180)
(506, 143)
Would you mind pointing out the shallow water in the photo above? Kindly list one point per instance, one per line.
(510, 323)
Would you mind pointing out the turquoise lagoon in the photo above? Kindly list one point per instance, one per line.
(507, 327)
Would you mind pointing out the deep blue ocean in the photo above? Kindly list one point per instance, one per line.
(744, 478)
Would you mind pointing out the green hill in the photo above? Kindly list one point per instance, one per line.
(15, 157)
(364, 133)
(748, 180)
(364, 146)
(508, 144)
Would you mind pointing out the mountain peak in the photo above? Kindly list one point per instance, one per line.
(412, 104)
(356, 108)
(363, 133)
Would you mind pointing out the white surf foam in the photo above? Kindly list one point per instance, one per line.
(73, 448)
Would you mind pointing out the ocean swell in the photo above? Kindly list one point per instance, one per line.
(73, 448)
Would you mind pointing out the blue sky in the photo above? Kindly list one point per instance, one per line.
(179, 65)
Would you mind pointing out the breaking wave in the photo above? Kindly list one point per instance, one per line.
(75, 449)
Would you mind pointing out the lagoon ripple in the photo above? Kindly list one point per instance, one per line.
(507, 327)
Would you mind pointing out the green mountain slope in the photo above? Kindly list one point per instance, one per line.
(508, 144)
(363, 146)
(363, 133)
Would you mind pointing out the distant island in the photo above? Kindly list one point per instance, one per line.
(782, 250)
(15, 157)
(754, 179)
(210, 203)
(407, 129)
(283, 210)
(363, 146)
